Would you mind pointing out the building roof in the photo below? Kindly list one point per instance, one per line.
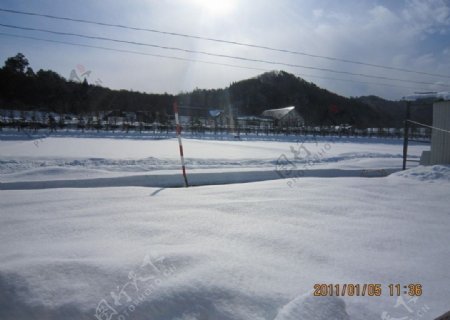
(215, 113)
(428, 96)
(278, 113)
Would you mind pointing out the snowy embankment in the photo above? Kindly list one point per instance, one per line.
(237, 251)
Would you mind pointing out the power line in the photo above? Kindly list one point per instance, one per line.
(215, 54)
(130, 51)
(427, 126)
(224, 41)
(194, 60)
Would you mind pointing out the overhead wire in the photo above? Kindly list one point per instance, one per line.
(237, 43)
(191, 60)
(216, 54)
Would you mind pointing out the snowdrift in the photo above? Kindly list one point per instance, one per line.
(437, 173)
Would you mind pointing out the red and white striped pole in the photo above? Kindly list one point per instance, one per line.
(178, 130)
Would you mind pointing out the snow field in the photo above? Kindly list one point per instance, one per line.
(238, 251)
(88, 222)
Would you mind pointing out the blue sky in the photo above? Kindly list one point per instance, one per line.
(413, 34)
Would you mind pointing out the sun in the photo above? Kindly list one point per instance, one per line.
(216, 7)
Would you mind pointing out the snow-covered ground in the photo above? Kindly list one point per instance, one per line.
(71, 158)
(118, 250)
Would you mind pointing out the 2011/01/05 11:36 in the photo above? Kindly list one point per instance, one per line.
(366, 289)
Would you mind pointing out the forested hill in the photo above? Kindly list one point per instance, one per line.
(318, 106)
(22, 88)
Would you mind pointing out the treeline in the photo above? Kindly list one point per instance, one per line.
(23, 89)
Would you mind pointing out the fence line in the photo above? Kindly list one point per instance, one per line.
(195, 129)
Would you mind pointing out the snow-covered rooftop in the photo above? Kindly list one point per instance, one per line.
(278, 113)
(428, 95)
(215, 113)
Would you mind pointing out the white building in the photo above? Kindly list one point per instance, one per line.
(440, 136)
(285, 117)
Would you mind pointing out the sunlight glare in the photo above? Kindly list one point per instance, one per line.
(216, 7)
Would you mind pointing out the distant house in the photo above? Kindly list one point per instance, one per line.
(253, 122)
(217, 117)
(131, 116)
(116, 117)
(285, 117)
(215, 113)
